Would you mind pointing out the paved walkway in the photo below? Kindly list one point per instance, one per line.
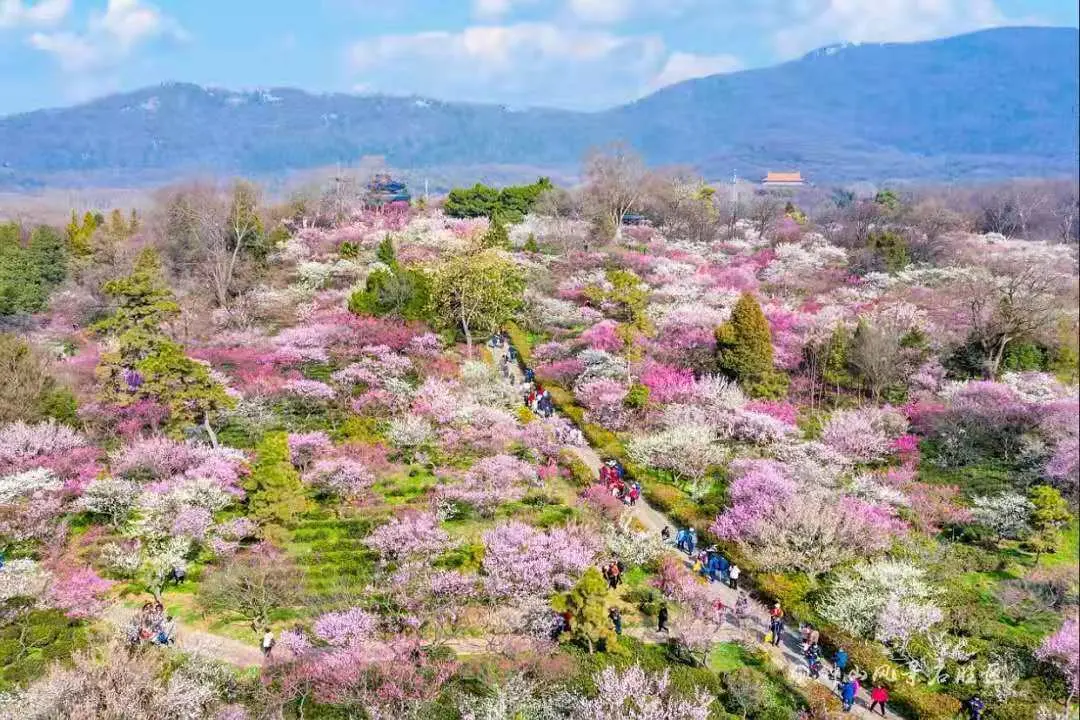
(788, 655)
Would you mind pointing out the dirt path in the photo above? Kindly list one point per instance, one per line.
(788, 655)
(194, 641)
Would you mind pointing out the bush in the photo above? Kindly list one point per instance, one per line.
(637, 397)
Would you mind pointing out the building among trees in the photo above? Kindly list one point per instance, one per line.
(783, 179)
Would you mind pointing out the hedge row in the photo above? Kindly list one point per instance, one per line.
(907, 699)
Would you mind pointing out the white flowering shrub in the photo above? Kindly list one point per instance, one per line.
(26, 483)
(888, 599)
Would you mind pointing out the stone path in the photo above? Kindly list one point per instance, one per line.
(788, 655)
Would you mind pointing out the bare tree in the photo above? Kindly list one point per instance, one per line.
(209, 233)
(1009, 307)
(875, 356)
(614, 183)
(929, 222)
(683, 204)
(252, 586)
(763, 211)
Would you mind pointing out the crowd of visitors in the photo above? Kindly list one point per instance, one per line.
(151, 626)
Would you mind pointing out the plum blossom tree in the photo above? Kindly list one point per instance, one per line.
(634, 694)
(866, 434)
(407, 534)
(785, 526)
(1062, 650)
(345, 627)
(521, 560)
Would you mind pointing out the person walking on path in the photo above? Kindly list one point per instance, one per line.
(665, 534)
(742, 610)
(841, 661)
(733, 576)
(976, 707)
(267, 643)
(878, 697)
(848, 692)
(616, 620)
(661, 619)
(776, 624)
(691, 541)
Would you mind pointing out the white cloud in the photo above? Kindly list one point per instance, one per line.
(109, 38)
(601, 11)
(16, 13)
(682, 66)
(520, 64)
(814, 23)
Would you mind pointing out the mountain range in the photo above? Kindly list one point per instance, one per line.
(991, 104)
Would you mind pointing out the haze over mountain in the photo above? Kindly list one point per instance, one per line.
(990, 104)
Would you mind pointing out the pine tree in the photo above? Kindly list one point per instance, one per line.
(745, 342)
(47, 253)
(586, 603)
(143, 300)
(496, 236)
(386, 253)
(275, 493)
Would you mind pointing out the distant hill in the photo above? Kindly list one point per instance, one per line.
(990, 104)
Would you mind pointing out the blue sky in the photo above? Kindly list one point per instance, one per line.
(582, 54)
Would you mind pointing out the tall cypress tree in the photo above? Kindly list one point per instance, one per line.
(745, 342)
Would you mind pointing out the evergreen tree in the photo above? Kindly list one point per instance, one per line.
(586, 603)
(745, 342)
(496, 236)
(143, 362)
(386, 253)
(47, 253)
(275, 493)
(836, 371)
(143, 301)
(530, 244)
(1049, 515)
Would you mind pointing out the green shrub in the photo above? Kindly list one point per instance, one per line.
(637, 397)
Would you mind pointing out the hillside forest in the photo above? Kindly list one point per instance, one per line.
(645, 448)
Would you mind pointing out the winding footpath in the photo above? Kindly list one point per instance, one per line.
(787, 656)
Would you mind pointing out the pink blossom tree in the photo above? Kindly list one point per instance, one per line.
(411, 533)
(1062, 650)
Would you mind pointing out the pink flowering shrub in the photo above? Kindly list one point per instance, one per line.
(560, 372)
(783, 411)
(866, 434)
(603, 401)
(20, 442)
(491, 482)
(1062, 650)
(521, 560)
(309, 389)
(410, 533)
(305, 447)
(78, 591)
(341, 477)
(603, 336)
(192, 522)
(550, 351)
(600, 499)
(667, 384)
(785, 526)
(346, 627)
(548, 436)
